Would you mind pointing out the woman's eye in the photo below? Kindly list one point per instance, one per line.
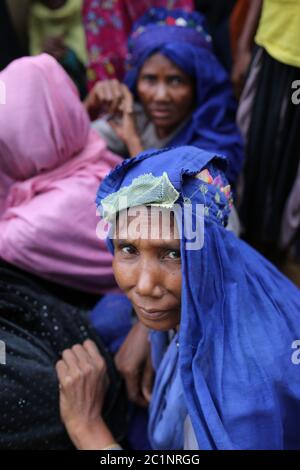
(173, 254)
(128, 250)
(176, 81)
(149, 78)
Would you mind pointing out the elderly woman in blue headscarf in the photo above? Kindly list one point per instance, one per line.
(224, 322)
(175, 92)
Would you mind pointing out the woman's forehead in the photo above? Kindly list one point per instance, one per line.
(158, 60)
(146, 222)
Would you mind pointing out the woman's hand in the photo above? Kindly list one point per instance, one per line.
(114, 98)
(56, 47)
(83, 383)
(105, 97)
(133, 361)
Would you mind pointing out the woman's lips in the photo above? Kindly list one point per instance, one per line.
(161, 113)
(153, 315)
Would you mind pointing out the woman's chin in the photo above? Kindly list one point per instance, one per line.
(164, 325)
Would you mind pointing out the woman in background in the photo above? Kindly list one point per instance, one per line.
(107, 27)
(270, 123)
(51, 163)
(51, 262)
(55, 27)
(175, 93)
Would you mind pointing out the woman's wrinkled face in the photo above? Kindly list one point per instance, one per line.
(166, 92)
(147, 266)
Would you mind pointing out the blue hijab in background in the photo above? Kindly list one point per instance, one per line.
(182, 38)
(240, 318)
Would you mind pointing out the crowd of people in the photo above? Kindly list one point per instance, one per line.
(121, 340)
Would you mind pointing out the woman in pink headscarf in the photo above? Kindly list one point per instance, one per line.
(51, 163)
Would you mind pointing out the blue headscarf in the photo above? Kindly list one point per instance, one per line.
(182, 38)
(240, 319)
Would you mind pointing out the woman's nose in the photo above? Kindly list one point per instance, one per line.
(161, 92)
(149, 281)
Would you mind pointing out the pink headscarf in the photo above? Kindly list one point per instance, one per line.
(51, 164)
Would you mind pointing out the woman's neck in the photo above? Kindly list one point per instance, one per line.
(164, 133)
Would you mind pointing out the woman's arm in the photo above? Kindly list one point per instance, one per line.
(133, 360)
(245, 42)
(245, 46)
(92, 437)
(82, 385)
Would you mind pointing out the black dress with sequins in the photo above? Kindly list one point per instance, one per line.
(35, 327)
